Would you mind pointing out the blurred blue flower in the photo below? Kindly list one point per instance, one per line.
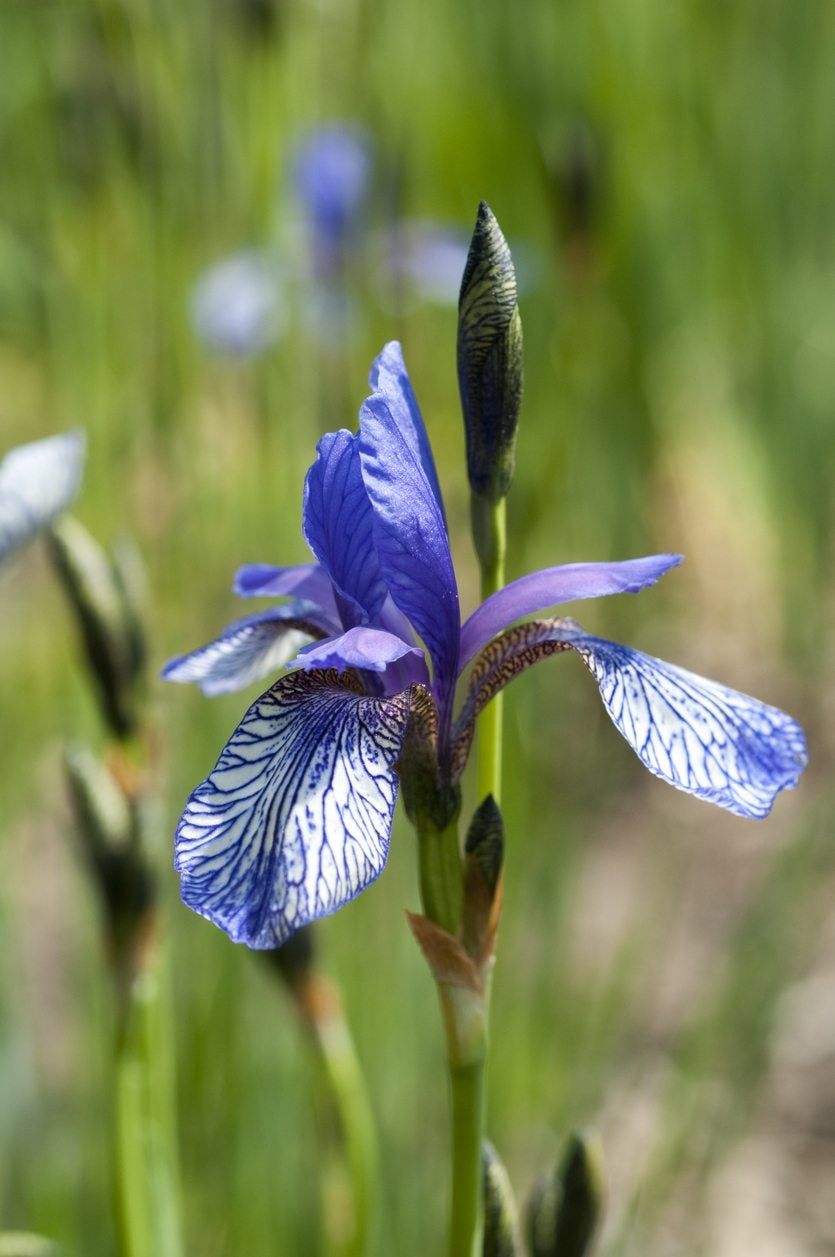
(294, 820)
(37, 483)
(332, 172)
(238, 305)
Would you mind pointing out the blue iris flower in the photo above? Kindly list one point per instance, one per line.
(332, 171)
(295, 818)
(38, 482)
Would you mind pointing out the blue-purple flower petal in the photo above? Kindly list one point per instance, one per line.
(338, 525)
(369, 650)
(409, 528)
(303, 580)
(251, 648)
(569, 582)
(294, 820)
(388, 376)
(699, 736)
(38, 482)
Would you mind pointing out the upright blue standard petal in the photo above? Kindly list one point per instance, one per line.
(388, 377)
(37, 483)
(339, 527)
(409, 525)
(294, 820)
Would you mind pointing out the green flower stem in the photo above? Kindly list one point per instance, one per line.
(465, 1026)
(147, 1185)
(490, 535)
(440, 873)
(321, 1009)
(465, 1015)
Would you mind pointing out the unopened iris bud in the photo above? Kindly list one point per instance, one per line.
(112, 636)
(109, 829)
(566, 1206)
(483, 860)
(489, 359)
(501, 1220)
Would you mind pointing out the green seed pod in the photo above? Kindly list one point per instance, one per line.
(96, 593)
(501, 1220)
(489, 359)
(566, 1205)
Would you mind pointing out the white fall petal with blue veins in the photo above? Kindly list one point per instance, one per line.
(700, 736)
(37, 483)
(254, 647)
(294, 820)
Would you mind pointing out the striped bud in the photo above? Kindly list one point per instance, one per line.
(566, 1205)
(489, 359)
(501, 1219)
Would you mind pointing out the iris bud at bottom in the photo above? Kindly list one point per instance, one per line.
(566, 1205)
(501, 1221)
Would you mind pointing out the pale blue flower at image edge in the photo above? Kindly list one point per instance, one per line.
(295, 818)
(38, 482)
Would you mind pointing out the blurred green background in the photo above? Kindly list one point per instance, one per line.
(665, 972)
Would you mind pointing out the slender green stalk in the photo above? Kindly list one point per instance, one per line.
(490, 528)
(346, 1087)
(466, 1212)
(146, 1180)
(440, 874)
(463, 1012)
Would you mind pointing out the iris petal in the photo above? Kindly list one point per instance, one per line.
(699, 736)
(409, 526)
(251, 648)
(339, 527)
(703, 738)
(294, 820)
(369, 650)
(304, 580)
(389, 376)
(37, 482)
(569, 582)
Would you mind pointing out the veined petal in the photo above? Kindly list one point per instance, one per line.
(37, 482)
(569, 582)
(303, 580)
(251, 648)
(369, 650)
(409, 526)
(388, 376)
(703, 738)
(294, 820)
(339, 527)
